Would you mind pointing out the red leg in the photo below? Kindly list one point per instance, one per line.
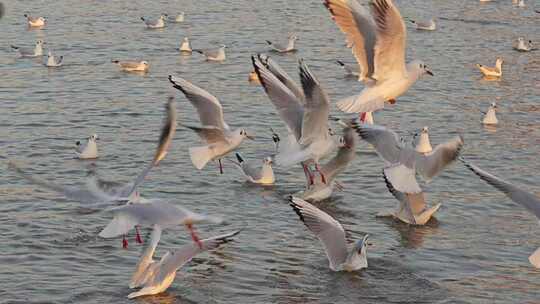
(124, 242)
(138, 238)
(363, 116)
(220, 166)
(308, 174)
(322, 175)
(194, 236)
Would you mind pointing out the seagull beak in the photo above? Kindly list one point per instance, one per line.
(250, 137)
(429, 72)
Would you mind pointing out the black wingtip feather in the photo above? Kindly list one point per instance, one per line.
(239, 158)
(296, 208)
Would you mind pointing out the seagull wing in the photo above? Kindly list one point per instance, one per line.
(328, 230)
(528, 200)
(389, 59)
(385, 141)
(208, 106)
(287, 80)
(354, 20)
(180, 257)
(288, 105)
(433, 163)
(317, 108)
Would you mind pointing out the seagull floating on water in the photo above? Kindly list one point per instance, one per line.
(179, 18)
(89, 149)
(378, 44)
(37, 51)
(219, 138)
(425, 25)
(158, 276)
(282, 48)
(155, 23)
(185, 46)
(262, 176)
(522, 45)
(528, 200)
(490, 118)
(332, 236)
(35, 21)
(412, 208)
(491, 71)
(53, 61)
(132, 66)
(215, 54)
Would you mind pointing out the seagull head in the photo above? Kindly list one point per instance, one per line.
(361, 245)
(93, 137)
(244, 134)
(493, 105)
(144, 62)
(425, 130)
(268, 161)
(40, 42)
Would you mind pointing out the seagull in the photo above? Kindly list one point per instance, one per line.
(99, 191)
(220, 139)
(154, 212)
(262, 176)
(155, 24)
(346, 153)
(37, 51)
(350, 71)
(528, 200)
(53, 61)
(88, 150)
(490, 118)
(422, 144)
(217, 54)
(412, 207)
(491, 72)
(521, 3)
(306, 118)
(185, 46)
(276, 139)
(160, 275)
(35, 21)
(522, 45)
(315, 141)
(280, 48)
(179, 18)
(398, 157)
(378, 44)
(332, 236)
(426, 26)
(132, 66)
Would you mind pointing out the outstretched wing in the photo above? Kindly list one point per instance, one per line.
(528, 200)
(389, 59)
(358, 26)
(328, 230)
(208, 106)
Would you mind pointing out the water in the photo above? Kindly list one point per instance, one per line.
(476, 251)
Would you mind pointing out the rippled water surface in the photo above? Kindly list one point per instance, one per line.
(475, 252)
